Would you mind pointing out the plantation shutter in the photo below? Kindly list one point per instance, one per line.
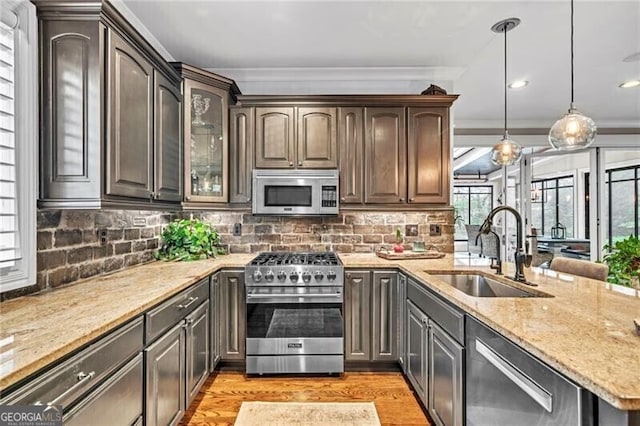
(9, 241)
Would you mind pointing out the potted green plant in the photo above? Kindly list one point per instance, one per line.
(623, 258)
(189, 239)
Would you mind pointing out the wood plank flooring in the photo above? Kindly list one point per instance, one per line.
(220, 397)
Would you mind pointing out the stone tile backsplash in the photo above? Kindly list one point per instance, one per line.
(69, 246)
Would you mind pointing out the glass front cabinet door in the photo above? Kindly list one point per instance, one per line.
(206, 142)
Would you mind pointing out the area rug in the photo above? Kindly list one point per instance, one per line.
(307, 414)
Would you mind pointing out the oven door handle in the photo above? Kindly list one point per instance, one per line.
(334, 297)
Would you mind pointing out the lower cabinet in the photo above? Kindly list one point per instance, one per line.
(118, 401)
(435, 360)
(401, 306)
(177, 362)
(165, 370)
(214, 315)
(446, 360)
(231, 331)
(371, 311)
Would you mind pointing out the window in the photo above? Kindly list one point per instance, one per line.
(18, 142)
(472, 204)
(623, 187)
(552, 204)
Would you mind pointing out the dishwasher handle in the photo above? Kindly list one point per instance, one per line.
(528, 386)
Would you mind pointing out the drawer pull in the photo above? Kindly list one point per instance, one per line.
(192, 300)
(82, 378)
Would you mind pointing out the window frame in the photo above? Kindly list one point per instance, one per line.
(23, 274)
(553, 184)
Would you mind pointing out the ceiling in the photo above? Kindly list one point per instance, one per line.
(403, 46)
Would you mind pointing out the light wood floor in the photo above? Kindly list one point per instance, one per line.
(220, 397)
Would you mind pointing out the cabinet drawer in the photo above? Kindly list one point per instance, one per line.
(65, 383)
(173, 310)
(118, 401)
(447, 317)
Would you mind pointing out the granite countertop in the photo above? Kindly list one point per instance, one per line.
(585, 331)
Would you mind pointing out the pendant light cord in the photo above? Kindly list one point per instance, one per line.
(571, 54)
(505, 29)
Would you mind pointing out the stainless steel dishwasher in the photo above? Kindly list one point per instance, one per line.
(507, 386)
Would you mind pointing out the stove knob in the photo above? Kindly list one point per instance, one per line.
(318, 275)
(331, 275)
(282, 276)
(257, 276)
(293, 277)
(306, 276)
(269, 275)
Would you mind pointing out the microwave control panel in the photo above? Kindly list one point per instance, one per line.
(329, 195)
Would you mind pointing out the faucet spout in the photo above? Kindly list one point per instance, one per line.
(521, 259)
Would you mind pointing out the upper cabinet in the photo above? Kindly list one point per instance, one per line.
(110, 112)
(291, 136)
(206, 134)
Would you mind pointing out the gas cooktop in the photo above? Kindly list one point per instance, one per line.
(288, 258)
(290, 268)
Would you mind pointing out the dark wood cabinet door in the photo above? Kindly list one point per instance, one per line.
(130, 151)
(275, 138)
(317, 141)
(357, 315)
(197, 347)
(429, 157)
(351, 137)
(168, 152)
(232, 315)
(385, 155)
(241, 128)
(385, 316)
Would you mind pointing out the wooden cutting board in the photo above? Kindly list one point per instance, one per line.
(406, 255)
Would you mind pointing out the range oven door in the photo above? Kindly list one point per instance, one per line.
(294, 321)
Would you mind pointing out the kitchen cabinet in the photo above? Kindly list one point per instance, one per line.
(165, 362)
(231, 331)
(401, 306)
(385, 155)
(105, 365)
(417, 350)
(357, 315)
(351, 137)
(446, 361)
(177, 360)
(214, 315)
(428, 152)
(435, 354)
(206, 134)
(296, 137)
(241, 154)
(371, 316)
(109, 109)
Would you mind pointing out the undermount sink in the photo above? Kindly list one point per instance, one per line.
(481, 286)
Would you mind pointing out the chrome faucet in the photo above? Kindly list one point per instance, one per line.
(521, 258)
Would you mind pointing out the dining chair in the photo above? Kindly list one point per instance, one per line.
(583, 268)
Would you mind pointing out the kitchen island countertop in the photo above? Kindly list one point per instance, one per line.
(585, 331)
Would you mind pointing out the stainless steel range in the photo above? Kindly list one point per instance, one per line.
(295, 313)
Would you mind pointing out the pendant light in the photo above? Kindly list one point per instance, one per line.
(575, 130)
(506, 152)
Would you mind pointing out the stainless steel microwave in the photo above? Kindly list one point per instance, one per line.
(295, 192)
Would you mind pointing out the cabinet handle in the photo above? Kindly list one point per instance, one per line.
(192, 300)
(342, 198)
(425, 321)
(411, 200)
(82, 379)
(291, 163)
(299, 163)
(401, 199)
(188, 198)
(349, 276)
(152, 195)
(528, 386)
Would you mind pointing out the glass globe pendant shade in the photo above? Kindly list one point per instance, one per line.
(572, 132)
(506, 152)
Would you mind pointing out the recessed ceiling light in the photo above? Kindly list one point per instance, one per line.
(629, 84)
(518, 84)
